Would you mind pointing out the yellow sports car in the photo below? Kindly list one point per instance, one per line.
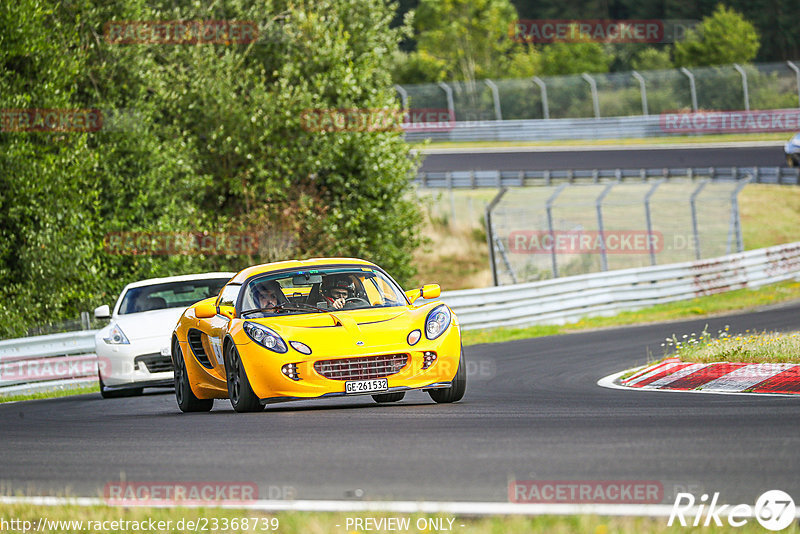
(313, 329)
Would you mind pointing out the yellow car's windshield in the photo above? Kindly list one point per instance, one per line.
(320, 290)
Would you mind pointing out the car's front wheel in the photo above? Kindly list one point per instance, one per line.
(459, 386)
(239, 391)
(187, 400)
(389, 397)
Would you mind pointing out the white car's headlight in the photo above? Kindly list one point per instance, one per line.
(116, 336)
(266, 337)
(437, 321)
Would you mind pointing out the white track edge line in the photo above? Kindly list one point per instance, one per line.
(406, 507)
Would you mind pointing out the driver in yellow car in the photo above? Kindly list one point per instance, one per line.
(337, 291)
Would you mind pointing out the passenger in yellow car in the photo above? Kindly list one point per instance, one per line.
(268, 295)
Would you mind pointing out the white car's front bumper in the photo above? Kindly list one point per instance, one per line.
(141, 362)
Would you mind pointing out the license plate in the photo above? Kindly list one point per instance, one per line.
(356, 387)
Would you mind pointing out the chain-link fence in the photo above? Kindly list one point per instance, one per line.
(732, 87)
(551, 231)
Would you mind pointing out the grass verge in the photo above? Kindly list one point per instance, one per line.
(50, 394)
(747, 347)
(85, 519)
(742, 299)
(677, 140)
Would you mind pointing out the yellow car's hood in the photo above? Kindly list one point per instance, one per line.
(343, 330)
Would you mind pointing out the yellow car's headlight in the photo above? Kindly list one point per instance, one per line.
(437, 321)
(266, 337)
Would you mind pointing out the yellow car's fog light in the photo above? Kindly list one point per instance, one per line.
(413, 337)
(290, 370)
(302, 348)
(428, 358)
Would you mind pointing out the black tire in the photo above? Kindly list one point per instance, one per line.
(187, 400)
(456, 391)
(389, 397)
(117, 393)
(792, 161)
(239, 391)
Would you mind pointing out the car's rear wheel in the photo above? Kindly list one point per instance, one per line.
(187, 400)
(792, 161)
(459, 386)
(107, 393)
(389, 397)
(239, 391)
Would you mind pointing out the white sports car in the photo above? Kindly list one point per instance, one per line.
(133, 350)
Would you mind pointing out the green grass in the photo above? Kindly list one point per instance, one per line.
(50, 394)
(738, 300)
(322, 523)
(683, 139)
(747, 347)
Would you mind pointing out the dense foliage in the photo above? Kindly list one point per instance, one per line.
(195, 138)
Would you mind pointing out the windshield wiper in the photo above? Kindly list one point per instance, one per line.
(299, 306)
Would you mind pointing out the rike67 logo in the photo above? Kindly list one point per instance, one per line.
(774, 510)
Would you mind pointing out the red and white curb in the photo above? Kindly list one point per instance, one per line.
(719, 377)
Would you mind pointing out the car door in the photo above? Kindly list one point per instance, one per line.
(214, 329)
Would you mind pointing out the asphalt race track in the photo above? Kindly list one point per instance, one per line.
(532, 411)
(606, 158)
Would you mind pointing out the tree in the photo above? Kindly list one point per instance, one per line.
(722, 39)
(470, 36)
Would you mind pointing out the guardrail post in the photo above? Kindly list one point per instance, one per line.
(593, 87)
(692, 87)
(743, 74)
(693, 205)
(649, 220)
(448, 91)
(599, 207)
(490, 231)
(643, 91)
(403, 96)
(496, 97)
(796, 70)
(735, 227)
(543, 88)
(550, 231)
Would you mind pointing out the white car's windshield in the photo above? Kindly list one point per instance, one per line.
(320, 290)
(169, 295)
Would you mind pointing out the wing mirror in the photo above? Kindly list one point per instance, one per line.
(205, 311)
(102, 312)
(428, 291)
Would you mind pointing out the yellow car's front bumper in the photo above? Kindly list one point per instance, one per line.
(270, 384)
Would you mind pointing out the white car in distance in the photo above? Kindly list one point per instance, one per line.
(133, 349)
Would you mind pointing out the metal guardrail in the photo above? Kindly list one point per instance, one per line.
(69, 358)
(521, 178)
(28, 364)
(568, 299)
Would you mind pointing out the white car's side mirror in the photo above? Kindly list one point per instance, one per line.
(102, 312)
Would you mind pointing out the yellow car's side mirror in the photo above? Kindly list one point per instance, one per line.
(431, 291)
(205, 311)
(428, 291)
